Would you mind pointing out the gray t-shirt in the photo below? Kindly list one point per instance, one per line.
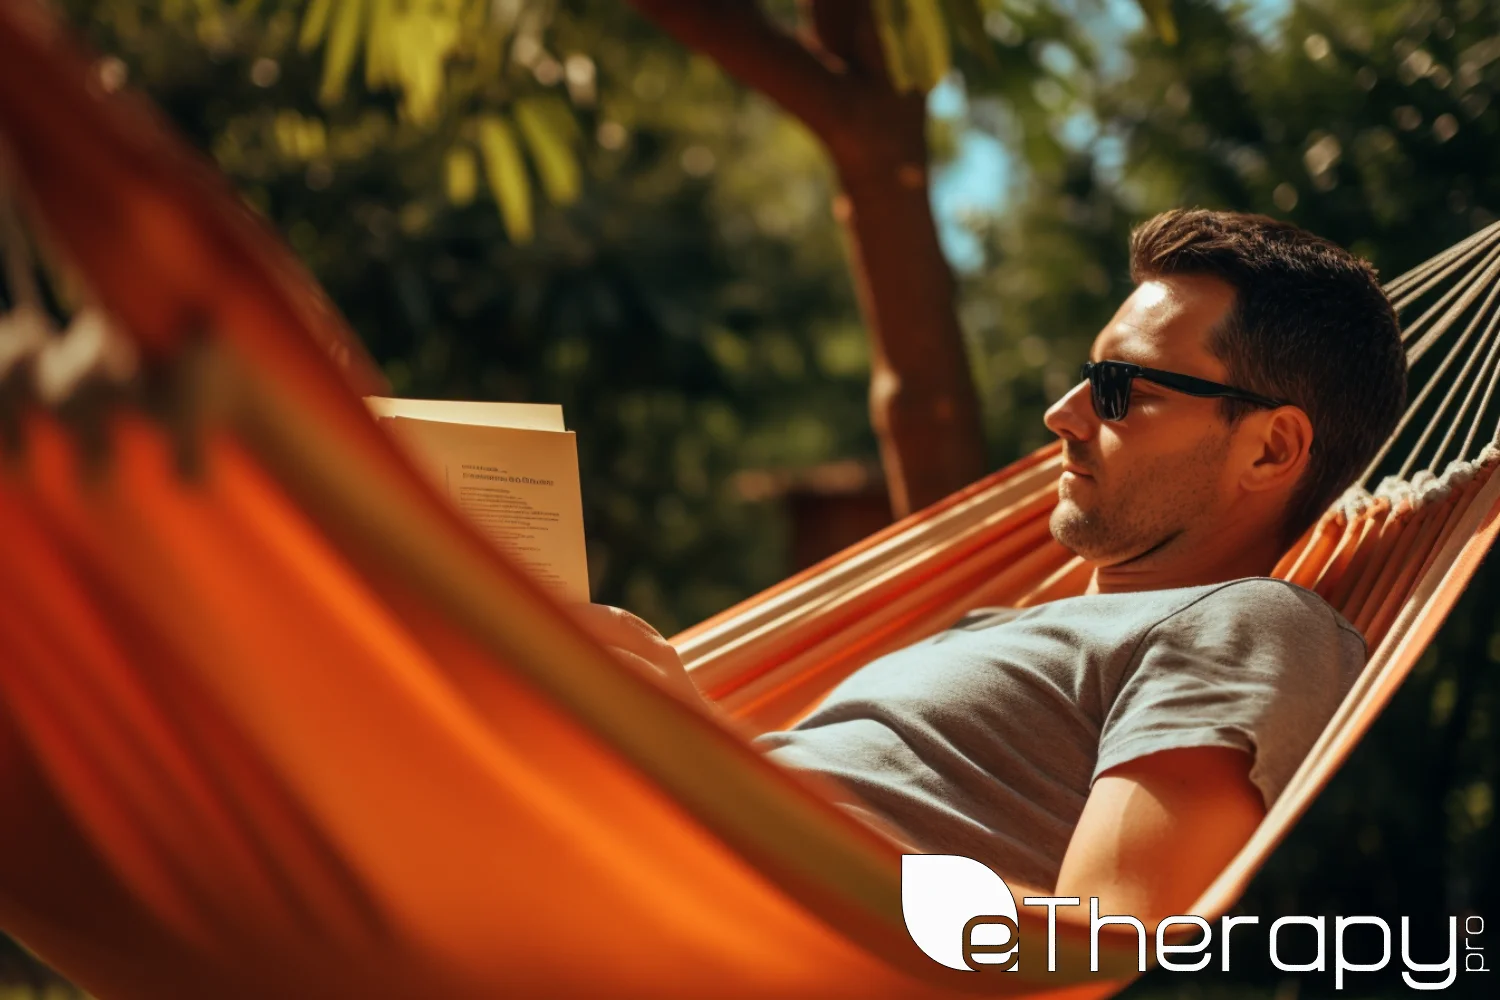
(984, 740)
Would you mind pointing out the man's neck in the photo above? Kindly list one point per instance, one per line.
(1180, 563)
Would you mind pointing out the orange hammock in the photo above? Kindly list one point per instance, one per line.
(274, 721)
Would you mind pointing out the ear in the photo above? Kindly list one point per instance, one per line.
(1281, 441)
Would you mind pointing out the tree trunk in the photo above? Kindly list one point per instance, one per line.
(923, 402)
(922, 399)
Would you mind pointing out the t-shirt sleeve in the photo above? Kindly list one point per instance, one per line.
(1259, 665)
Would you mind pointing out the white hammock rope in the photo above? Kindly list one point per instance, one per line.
(1455, 351)
(1400, 288)
(62, 359)
(1466, 280)
(1445, 311)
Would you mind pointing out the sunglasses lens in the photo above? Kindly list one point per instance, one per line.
(1111, 390)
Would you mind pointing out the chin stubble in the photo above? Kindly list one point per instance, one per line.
(1147, 511)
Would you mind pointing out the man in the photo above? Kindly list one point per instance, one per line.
(1127, 742)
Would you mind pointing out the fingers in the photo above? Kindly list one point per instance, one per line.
(619, 628)
(677, 678)
(634, 642)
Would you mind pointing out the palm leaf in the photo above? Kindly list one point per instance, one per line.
(505, 171)
(344, 38)
(927, 39)
(540, 120)
(967, 18)
(888, 22)
(460, 175)
(1159, 12)
(314, 24)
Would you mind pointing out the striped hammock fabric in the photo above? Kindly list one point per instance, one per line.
(274, 721)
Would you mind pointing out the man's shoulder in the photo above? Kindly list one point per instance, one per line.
(1240, 614)
(1233, 614)
(1262, 601)
(1263, 621)
(1260, 598)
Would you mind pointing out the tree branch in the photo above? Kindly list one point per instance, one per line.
(834, 77)
(846, 30)
(736, 35)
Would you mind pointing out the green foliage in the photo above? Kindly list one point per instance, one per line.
(1373, 131)
(914, 36)
(1160, 14)
(506, 171)
(422, 52)
(918, 36)
(406, 45)
(550, 133)
(475, 70)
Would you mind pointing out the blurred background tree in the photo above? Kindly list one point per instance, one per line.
(581, 210)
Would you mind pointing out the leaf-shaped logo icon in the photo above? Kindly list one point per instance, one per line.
(957, 908)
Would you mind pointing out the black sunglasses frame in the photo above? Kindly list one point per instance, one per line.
(1108, 398)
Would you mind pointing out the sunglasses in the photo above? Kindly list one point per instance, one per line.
(1111, 382)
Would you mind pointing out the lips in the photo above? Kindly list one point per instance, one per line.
(1076, 469)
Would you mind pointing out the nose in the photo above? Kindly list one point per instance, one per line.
(1072, 417)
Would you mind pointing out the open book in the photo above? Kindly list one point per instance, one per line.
(512, 468)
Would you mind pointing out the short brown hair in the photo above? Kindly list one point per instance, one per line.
(1310, 325)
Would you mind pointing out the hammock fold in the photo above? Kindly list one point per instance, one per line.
(277, 721)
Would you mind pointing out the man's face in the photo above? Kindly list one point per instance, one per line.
(1134, 484)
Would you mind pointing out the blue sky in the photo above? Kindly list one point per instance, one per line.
(979, 177)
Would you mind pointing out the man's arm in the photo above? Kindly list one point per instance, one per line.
(1153, 834)
(1155, 831)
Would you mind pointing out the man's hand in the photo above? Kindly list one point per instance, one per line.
(1157, 830)
(637, 643)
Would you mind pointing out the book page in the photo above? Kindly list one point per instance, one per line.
(532, 416)
(518, 486)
